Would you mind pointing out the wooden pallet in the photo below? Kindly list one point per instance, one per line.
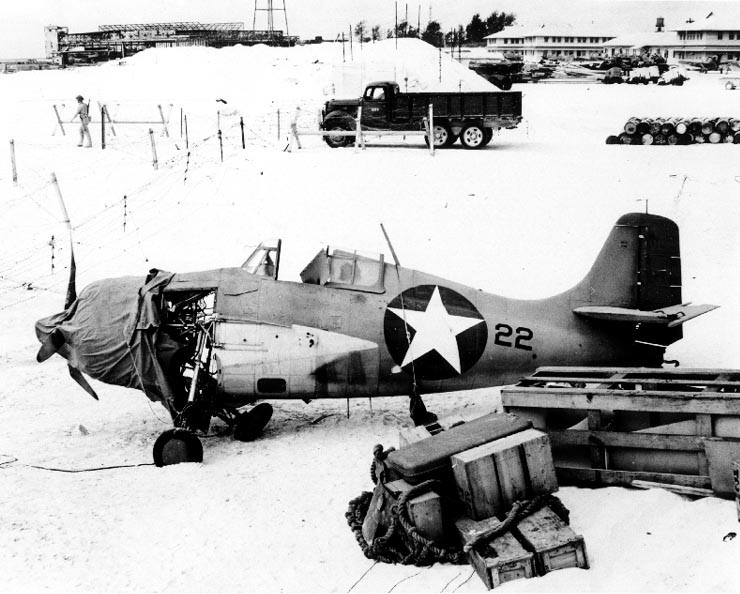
(616, 425)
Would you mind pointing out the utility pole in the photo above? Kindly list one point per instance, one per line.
(395, 31)
(418, 22)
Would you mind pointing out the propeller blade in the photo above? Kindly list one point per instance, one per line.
(72, 283)
(80, 379)
(51, 345)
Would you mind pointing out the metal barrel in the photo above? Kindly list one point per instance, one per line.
(647, 139)
(668, 127)
(695, 126)
(707, 126)
(734, 125)
(736, 138)
(722, 125)
(655, 126)
(682, 126)
(672, 138)
(625, 138)
(630, 126)
(715, 138)
(643, 127)
(685, 138)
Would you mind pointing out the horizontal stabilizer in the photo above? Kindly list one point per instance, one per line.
(675, 315)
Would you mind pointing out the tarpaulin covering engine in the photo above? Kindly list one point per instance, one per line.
(111, 333)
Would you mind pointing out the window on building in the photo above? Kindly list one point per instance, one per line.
(719, 35)
(732, 36)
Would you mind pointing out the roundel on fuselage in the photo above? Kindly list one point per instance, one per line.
(436, 330)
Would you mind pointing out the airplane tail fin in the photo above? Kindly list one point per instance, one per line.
(636, 280)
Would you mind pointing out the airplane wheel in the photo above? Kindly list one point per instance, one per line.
(177, 445)
(250, 424)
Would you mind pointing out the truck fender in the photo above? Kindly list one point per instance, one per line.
(338, 116)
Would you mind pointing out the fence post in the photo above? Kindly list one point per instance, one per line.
(12, 161)
(221, 145)
(278, 123)
(59, 121)
(154, 149)
(358, 128)
(241, 125)
(186, 132)
(102, 127)
(431, 129)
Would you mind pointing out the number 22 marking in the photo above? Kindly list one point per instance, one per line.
(521, 341)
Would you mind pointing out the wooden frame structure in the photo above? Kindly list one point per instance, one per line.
(677, 427)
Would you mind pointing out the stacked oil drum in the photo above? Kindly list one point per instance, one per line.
(678, 131)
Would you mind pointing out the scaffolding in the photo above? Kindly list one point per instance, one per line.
(119, 41)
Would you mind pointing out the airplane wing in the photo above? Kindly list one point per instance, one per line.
(672, 316)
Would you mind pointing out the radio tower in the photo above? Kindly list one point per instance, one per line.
(269, 7)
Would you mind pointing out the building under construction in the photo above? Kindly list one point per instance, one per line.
(118, 41)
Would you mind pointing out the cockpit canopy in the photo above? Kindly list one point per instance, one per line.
(342, 269)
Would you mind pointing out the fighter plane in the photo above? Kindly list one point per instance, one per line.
(208, 344)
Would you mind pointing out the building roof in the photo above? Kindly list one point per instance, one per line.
(563, 30)
(712, 22)
(643, 40)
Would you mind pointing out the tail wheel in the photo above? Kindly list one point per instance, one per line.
(443, 136)
(472, 136)
(175, 446)
(339, 140)
(250, 424)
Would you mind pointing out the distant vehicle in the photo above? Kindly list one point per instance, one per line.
(502, 73)
(207, 344)
(470, 116)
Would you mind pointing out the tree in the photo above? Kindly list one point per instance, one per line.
(375, 33)
(476, 29)
(360, 30)
(497, 21)
(433, 34)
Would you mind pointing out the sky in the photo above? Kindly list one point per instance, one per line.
(22, 23)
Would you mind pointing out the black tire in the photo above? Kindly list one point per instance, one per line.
(472, 136)
(487, 136)
(339, 126)
(175, 446)
(249, 425)
(443, 136)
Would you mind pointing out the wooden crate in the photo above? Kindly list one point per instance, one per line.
(409, 435)
(553, 542)
(425, 511)
(618, 425)
(497, 560)
(491, 477)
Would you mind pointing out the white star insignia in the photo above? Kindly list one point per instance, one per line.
(436, 330)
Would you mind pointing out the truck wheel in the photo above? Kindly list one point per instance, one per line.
(338, 141)
(487, 136)
(472, 136)
(443, 136)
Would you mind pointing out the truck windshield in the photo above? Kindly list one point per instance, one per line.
(375, 93)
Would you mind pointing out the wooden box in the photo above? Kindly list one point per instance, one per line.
(425, 510)
(491, 477)
(616, 426)
(409, 435)
(554, 544)
(497, 560)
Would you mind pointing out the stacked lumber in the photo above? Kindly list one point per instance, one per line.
(489, 469)
(681, 131)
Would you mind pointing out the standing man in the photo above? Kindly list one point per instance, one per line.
(83, 112)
